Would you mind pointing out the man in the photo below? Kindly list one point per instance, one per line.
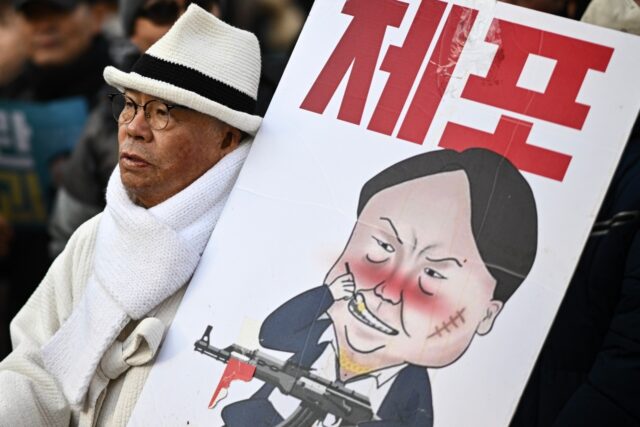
(85, 175)
(442, 240)
(105, 303)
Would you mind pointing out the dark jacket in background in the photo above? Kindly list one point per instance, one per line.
(588, 372)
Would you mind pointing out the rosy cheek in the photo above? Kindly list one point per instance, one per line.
(397, 285)
(417, 304)
(368, 275)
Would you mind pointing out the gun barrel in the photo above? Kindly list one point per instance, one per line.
(216, 353)
(202, 346)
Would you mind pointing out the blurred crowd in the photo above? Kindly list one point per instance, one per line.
(53, 51)
(52, 54)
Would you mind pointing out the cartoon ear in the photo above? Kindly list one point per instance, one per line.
(485, 325)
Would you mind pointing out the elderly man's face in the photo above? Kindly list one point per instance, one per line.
(58, 37)
(422, 290)
(156, 164)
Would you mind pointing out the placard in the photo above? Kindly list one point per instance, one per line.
(406, 225)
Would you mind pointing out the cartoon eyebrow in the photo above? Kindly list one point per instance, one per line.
(395, 231)
(445, 260)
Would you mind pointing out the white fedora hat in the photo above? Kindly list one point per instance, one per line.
(202, 63)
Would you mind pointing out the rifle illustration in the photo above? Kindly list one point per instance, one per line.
(317, 395)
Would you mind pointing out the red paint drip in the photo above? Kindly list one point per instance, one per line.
(235, 370)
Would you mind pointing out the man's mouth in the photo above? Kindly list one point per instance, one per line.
(132, 160)
(358, 309)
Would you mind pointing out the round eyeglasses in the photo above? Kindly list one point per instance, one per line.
(157, 113)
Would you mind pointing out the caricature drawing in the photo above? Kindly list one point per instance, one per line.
(441, 241)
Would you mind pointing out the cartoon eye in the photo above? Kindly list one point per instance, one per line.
(384, 245)
(433, 273)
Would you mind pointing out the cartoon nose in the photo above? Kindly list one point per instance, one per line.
(392, 287)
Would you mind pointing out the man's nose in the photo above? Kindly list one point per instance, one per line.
(138, 128)
(394, 285)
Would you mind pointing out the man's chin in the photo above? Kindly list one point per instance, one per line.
(134, 180)
(363, 341)
(135, 188)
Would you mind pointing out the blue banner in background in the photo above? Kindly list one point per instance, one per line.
(32, 136)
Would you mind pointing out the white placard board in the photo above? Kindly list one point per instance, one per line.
(370, 84)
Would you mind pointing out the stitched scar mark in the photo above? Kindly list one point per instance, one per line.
(452, 323)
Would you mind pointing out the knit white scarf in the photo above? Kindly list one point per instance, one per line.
(142, 257)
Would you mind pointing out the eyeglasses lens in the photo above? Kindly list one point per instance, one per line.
(124, 110)
(157, 115)
(118, 110)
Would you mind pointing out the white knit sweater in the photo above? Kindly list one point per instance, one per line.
(29, 395)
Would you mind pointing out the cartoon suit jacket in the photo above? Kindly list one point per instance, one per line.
(296, 327)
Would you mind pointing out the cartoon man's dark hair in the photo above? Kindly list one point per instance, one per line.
(504, 218)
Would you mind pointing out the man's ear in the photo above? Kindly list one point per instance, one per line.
(485, 325)
(231, 139)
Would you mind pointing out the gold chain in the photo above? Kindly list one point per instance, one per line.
(351, 366)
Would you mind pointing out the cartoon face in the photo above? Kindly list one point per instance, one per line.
(421, 289)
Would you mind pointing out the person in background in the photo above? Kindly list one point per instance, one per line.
(13, 55)
(85, 175)
(66, 55)
(67, 51)
(588, 370)
(144, 22)
(13, 44)
(108, 11)
(86, 340)
(566, 8)
(277, 24)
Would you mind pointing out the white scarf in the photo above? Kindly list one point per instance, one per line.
(142, 257)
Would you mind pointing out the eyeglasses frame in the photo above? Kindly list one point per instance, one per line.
(147, 116)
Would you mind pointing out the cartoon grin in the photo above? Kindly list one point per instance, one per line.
(358, 309)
